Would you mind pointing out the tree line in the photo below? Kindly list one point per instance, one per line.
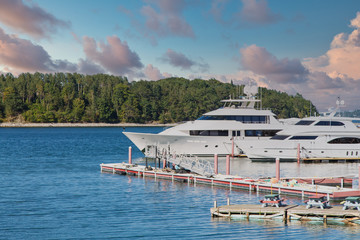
(72, 97)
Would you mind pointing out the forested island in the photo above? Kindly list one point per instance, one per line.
(102, 98)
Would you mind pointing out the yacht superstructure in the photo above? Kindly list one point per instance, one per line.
(215, 132)
(328, 137)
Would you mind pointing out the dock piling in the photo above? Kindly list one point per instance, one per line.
(130, 155)
(298, 153)
(228, 165)
(278, 169)
(216, 163)
(232, 147)
(359, 178)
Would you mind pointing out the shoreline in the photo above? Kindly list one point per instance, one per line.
(29, 125)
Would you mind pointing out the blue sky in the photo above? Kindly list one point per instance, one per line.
(311, 47)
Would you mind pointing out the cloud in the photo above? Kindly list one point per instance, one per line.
(260, 61)
(22, 55)
(88, 67)
(152, 73)
(343, 57)
(114, 56)
(31, 20)
(216, 10)
(177, 59)
(164, 18)
(257, 12)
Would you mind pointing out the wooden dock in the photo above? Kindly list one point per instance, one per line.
(287, 213)
(232, 182)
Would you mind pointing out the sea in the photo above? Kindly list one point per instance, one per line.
(52, 188)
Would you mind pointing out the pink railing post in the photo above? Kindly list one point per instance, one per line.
(298, 153)
(359, 177)
(227, 164)
(232, 147)
(278, 169)
(216, 163)
(130, 155)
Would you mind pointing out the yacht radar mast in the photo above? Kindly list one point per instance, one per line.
(247, 101)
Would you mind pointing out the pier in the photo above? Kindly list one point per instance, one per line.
(287, 213)
(233, 182)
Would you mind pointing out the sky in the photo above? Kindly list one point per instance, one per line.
(310, 47)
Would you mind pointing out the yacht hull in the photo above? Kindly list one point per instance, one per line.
(189, 145)
(269, 150)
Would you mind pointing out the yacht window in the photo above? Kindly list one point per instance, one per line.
(235, 133)
(304, 122)
(345, 140)
(243, 119)
(260, 133)
(329, 123)
(356, 122)
(209, 133)
(303, 137)
(247, 119)
(255, 119)
(279, 137)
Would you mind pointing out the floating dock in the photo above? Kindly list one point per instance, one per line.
(233, 182)
(287, 213)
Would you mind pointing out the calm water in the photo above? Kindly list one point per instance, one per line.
(52, 188)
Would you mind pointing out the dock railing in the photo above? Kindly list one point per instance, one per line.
(193, 163)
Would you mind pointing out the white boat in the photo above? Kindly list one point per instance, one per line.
(214, 132)
(313, 138)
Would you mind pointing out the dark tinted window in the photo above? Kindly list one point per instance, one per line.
(260, 133)
(329, 123)
(209, 133)
(244, 119)
(279, 137)
(303, 137)
(304, 122)
(345, 140)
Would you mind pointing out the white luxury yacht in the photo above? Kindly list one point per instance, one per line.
(323, 137)
(215, 132)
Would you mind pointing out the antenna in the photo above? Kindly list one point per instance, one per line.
(340, 103)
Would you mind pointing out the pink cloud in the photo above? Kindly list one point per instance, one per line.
(153, 73)
(343, 57)
(260, 61)
(22, 55)
(167, 20)
(114, 56)
(31, 20)
(257, 12)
